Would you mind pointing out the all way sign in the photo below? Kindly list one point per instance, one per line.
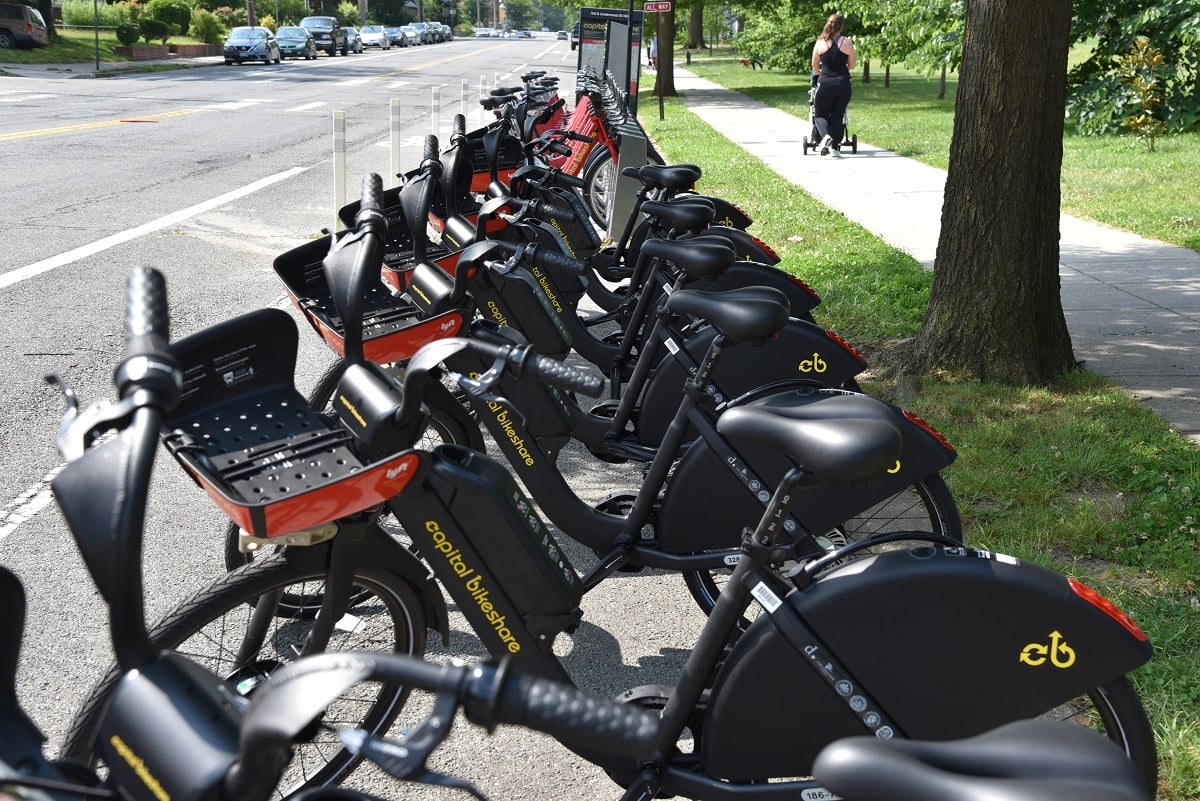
(650, 8)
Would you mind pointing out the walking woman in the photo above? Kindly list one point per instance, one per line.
(832, 59)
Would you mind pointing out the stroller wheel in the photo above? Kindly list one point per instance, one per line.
(806, 145)
(854, 144)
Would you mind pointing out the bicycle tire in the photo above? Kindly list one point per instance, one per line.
(442, 429)
(200, 625)
(599, 182)
(926, 506)
(1117, 713)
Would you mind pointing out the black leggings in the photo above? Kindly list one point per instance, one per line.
(833, 96)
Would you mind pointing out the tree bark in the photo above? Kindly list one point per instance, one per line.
(695, 37)
(866, 71)
(995, 311)
(664, 80)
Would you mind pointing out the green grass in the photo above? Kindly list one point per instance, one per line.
(1113, 180)
(1078, 477)
(74, 47)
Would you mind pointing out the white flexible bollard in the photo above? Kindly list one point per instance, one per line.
(339, 165)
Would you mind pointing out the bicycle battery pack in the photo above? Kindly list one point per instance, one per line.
(487, 545)
(512, 296)
(170, 731)
(930, 643)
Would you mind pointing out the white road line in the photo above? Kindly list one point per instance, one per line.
(91, 249)
(27, 504)
(309, 106)
(23, 98)
(352, 82)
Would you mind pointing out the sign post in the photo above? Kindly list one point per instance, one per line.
(657, 8)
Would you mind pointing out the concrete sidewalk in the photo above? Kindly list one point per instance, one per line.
(1132, 304)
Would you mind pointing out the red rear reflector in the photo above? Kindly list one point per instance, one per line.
(1107, 607)
(846, 345)
(765, 247)
(933, 432)
(804, 285)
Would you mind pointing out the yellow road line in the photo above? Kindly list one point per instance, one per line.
(427, 64)
(88, 126)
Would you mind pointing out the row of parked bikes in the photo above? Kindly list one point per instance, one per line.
(854, 646)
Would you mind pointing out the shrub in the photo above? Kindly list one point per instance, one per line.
(267, 21)
(1139, 70)
(128, 34)
(171, 11)
(206, 27)
(347, 13)
(155, 29)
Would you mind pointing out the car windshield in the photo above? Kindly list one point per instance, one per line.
(317, 22)
(292, 33)
(372, 29)
(241, 34)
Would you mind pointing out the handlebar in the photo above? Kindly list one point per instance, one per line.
(525, 362)
(148, 363)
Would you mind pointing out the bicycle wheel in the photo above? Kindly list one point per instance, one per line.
(599, 181)
(1115, 710)
(386, 615)
(442, 428)
(926, 506)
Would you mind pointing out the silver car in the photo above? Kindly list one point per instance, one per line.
(375, 36)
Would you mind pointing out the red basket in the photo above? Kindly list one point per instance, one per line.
(246, 436)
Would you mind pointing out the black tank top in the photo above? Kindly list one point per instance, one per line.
(834, 63)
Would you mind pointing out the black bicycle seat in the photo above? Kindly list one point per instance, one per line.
(1030, 760)
(674, 178)
(745, 315)
(845, 439)
(681, 216)
(698, 258)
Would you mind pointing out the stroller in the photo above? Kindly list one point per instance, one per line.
(813, 138)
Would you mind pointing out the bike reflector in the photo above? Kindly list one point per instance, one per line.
(1107, 607)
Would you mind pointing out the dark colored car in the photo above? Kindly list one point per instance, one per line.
(328, 33)
(354, 43)
(296, 42)
(397, 36)
(251, 43)
(22, 26)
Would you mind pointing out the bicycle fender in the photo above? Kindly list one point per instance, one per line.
(930, 643)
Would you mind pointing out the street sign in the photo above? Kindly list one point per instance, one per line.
(662, 5)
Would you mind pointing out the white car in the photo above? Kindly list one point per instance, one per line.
(375, 36)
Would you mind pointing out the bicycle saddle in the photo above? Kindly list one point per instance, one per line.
(674, 178)
(1030, 760)
(845, 439)
(692, 215)
(750, 314)
(698, 258)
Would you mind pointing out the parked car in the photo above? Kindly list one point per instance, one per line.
(562, 36)
(251, 43)
(296, 42)
(447, 32)
(426, 32)
(353, 42)
(412, 36)
(397, 36)
(328, 32)
(575, 36)
(524, 35)
(22, 26)
(375, 36)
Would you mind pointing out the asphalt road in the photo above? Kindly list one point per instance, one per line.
(208, 174)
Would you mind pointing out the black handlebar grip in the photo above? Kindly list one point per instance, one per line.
(565, 179)
(571, 715)
(460, 124)
(505, 90)
(147, 316)
(561, 374)
(549, 209)
(559, 148)
(371, 199)
(431, 148)
(554, 261)
(148, 363)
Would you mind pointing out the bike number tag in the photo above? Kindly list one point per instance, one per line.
(770, 601)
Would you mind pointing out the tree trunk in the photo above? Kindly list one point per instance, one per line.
(664, 80)
(866, 71)
(995, 311)
(942, 84)
(695, 37)
(887, 76)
